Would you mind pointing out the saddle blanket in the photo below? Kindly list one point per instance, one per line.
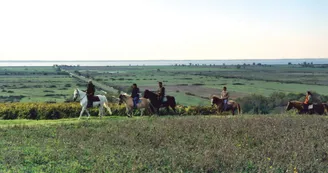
(310, 107)
(94, 98)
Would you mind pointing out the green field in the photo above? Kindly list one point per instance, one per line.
(190, 85)
(35, 84)
(204, 81)
(277, 143)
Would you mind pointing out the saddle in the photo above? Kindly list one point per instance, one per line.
(310, 107)
(164, 99)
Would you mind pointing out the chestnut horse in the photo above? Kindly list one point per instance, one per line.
(232, 105)
(317, 108)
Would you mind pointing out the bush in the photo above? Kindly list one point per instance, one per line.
(190, 94)
(48, 110)
(72, 110)
(254, 104)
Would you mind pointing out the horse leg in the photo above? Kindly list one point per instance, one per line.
(88, 113)
(142, 112)
(233, 111)
(81, 113)
(173, 108)
(101, 111)
(128, 111)
(149, 110)
(157, 110)
(167, 110)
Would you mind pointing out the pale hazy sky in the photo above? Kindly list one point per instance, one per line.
(162, 29)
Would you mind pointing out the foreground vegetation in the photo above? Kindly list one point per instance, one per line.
(43, 111)
(172, 144)
(252, 104)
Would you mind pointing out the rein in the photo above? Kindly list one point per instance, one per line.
(78, 93)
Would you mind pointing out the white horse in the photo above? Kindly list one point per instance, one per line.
(84, 103)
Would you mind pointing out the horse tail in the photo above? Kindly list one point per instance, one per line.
(239, 110)
(107, 106)
(325, 108)
(174, 104)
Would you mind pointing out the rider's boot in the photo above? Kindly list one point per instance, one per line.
(89, 104)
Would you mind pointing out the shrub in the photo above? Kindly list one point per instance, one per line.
(48, 110)
(190, 94)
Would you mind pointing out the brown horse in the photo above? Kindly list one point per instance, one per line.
(317, 108)
(156, 104)
(232, 105)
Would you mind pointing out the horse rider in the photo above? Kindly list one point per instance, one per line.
(225, 97)
(90, 93)
(161, 92)
(307, 101)
(135, 95)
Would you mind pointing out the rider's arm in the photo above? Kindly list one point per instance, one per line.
(227, 95)
(224, 95)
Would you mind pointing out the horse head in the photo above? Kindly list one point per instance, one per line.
(215, 100)
(146, 94)
(120, 99)
(76, 94)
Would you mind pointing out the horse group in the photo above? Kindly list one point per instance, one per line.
(316, 108)
(150, 103)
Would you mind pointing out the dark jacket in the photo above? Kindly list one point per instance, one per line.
(135, 92)
(161, 92)
(91, 89)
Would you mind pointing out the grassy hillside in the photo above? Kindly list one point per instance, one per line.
(278, 143)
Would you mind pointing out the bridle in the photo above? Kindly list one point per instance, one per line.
(78, 95)
(122, 99)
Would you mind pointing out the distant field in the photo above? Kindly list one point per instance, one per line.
(191, 85)
(35, 84)
(276, 143)
(204, 81)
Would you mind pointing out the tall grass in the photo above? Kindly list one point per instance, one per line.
(170, 144)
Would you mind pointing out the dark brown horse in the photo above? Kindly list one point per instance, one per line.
(232, 105)
(156, 104)
(317, 108)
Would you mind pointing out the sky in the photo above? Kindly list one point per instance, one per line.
(163, 29)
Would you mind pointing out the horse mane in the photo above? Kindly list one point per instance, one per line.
(125, 94)
(215, 96)
(79, 90)
(295, 101)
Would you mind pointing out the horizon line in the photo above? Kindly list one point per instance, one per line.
(163, 60)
